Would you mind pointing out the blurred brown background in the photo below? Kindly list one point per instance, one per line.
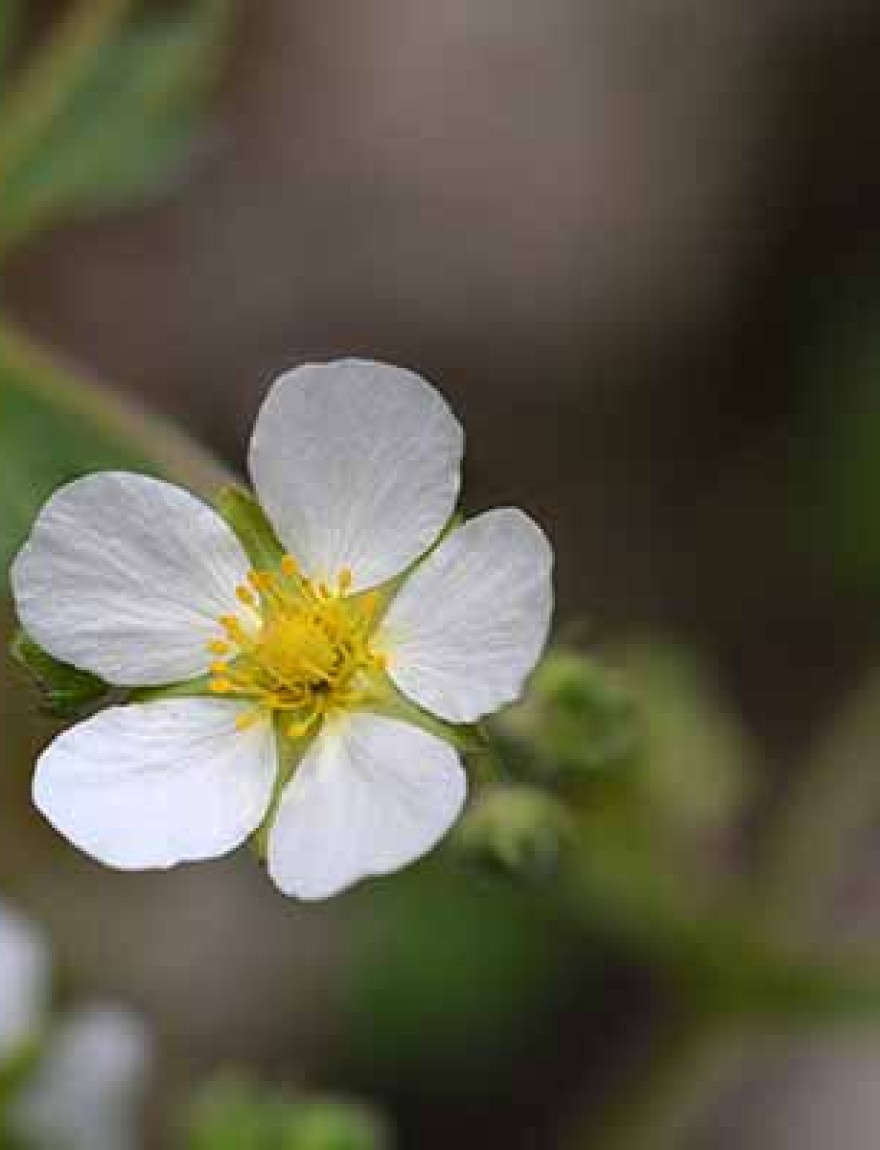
(638, 246)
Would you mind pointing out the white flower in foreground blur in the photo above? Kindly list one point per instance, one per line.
(82, 1085)
(357, 467)
(24, 983)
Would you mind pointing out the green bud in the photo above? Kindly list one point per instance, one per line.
(578, 718)
(66, 691)
(698, 757)
(335, 1125)
(515, 829)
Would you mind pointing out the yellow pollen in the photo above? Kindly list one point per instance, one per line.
(302, 650)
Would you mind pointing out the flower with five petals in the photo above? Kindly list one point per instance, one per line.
(314, 682)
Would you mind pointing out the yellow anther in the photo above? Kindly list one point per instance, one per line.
(219, 668)
(233, 628)
(245, 595)
(261, 580)
(221, 686)
(289, 566)
(345, 580)
(246, 720)
(381, 660)
(218, 647)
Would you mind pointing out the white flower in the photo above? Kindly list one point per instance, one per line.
(357, 466)
(86, 1089)
(87, 1092)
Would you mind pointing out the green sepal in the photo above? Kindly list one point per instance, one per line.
(248, 520)
(468, 738)
(65, 691)
(189, 689)
(290, 754)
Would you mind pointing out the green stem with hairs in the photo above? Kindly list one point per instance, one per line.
(70, 390)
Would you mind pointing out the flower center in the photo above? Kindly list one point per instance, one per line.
(297, 648)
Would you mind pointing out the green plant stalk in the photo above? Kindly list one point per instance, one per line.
(730, 976)
(81, 396)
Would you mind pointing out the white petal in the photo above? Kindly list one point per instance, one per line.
(153, 784)
(357, 464)
(24, 981)
(88, 1092)
(470, 623)
(125, 576)
(371, 795)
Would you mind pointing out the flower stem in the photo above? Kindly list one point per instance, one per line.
(51, 377)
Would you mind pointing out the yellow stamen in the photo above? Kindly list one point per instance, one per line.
(303, 650)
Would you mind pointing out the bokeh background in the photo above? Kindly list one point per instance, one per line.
(638, 246)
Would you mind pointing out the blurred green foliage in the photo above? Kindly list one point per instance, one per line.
(104, 113)
(454, 973)
(103, 110)
(234, 1114)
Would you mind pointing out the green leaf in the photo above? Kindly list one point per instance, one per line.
(126, 126)
(248, 520)
(55, 426)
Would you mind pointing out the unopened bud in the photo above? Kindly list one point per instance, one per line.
(515, 829)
